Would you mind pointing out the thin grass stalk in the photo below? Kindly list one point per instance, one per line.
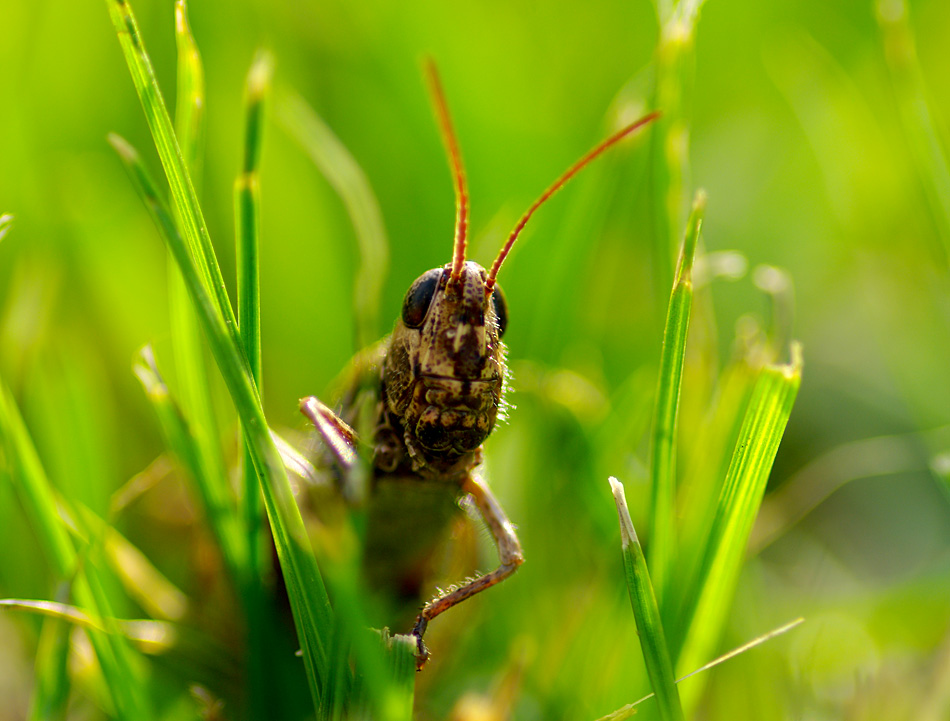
(669, 141)
(247, 241)
(179, 437)
(350, 182)
(309, 602)
(123, 686)
(765, 420)
(194, 389)
(916, 114)
(663, 439)
(646, 612)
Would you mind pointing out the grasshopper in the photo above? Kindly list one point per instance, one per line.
(439, 381)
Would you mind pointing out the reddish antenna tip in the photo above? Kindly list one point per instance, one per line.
(455, 162)
(556, 186)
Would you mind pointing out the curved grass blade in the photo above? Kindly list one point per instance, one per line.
(309, 602)
(656, 654)
(663, 440)
(763, 426)
(349, 180)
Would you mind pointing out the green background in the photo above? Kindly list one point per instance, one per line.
(796, 133)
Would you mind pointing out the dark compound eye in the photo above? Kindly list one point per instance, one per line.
(419, 298)
(500, 306)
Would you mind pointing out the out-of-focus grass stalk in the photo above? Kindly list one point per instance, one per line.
(763, 426)
(124, 688)
(247, 251)
(349, 180)
(194, 390)
(670, 139)
(309, 602)
(180, 438)
(916, 114)
(656, 654)
(663, 440)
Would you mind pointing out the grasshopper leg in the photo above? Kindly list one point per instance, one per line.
(509, 553)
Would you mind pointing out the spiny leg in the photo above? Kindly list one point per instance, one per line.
(509, 553)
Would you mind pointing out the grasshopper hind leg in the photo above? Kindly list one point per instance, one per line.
(509, 553)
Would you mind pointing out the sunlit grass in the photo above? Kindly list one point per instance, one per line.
(141, 583)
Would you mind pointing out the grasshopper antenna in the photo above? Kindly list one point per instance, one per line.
(556, 186)
(458, 171)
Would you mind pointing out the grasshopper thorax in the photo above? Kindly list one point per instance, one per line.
(444, 373)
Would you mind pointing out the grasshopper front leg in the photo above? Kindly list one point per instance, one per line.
(509, 553)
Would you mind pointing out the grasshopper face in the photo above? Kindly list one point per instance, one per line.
(444, 375)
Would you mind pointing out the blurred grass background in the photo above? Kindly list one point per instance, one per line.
(813, 154)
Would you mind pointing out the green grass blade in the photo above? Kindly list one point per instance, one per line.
(349, 180)
(309, 602)
(119, 670)
(51, 695)
(190, 96)
(247, 214)
(247, 251)
(193, 388)
(663, 440)
(219, 506)
(656, 654)
(194, 230)
(765, 419)
(914, 105)
(670, 138)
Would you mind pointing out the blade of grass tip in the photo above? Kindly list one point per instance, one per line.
(36, 493)
(663, 439)
(308, 598)
(6, 222)
(656, 655)
(916, 113)
(247, 252)
(219, 511)
(194, 230)
(762, 429)
(350, 182)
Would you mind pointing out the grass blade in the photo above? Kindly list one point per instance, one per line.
(119, 669)
(309, 602)
(656, 654)
(663, 440)
(193, 389)
(247, 251)
(194, 230)
(766, 417)
(915, 109)
(349, 180)
(218, 506)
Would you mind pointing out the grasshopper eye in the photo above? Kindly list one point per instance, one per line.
(419, 298)
(500, 306)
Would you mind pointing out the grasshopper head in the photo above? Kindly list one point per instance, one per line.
(445, 370)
